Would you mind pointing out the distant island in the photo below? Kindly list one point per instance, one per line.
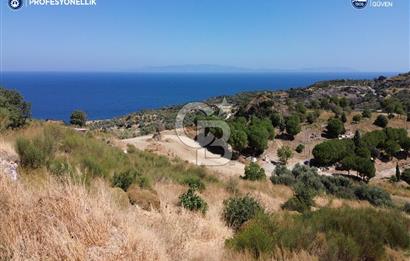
(215, 68)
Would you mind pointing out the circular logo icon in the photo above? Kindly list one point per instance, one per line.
(15, 4)
(359, 4)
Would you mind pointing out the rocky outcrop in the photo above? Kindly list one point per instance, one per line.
(9, 168)
(8, 161)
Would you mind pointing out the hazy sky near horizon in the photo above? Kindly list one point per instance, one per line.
(271, 34)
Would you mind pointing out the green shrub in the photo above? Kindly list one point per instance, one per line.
(190, 200)
(258, 138)
(302, 200)
(30, 155)
(143, 181)
(292, 125)
(300, 107)
(282, 170)
(284, 154)
(254, 172)
(357, 118)
(128, 177)
(124, 179)
(286, 179)
(300, 169)
(311, 181)
(339, 186)
(256, 237)
(277, 120)
(374, 195)
(296, 204)
(238, 139)
(194, 182)
(93, 168)
(238, 210)
(300, 148)
(334, 128)
(282, 175)
(35, 153)
(381, 121)
(60, 168)
(131, 149)
(368, 228)
(331, 234)
(340, 247)
(311, 117)
(367, 113)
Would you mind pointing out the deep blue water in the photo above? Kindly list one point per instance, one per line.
(106, 95)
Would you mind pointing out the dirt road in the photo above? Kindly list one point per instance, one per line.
(171, 146)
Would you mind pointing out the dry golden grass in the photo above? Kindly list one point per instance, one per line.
(270, 196)
(42, 219)
(56, 221)
(332, 202)
(33, 129)
(400, 189)
(7, 151)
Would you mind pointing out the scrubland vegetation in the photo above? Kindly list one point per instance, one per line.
(81, 196)
(89, 186)
(329, 234)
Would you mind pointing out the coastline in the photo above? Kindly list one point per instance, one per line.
(105, 95)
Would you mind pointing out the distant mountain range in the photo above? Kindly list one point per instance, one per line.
(213, 68)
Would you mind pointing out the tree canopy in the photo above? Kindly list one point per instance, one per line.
(334, 128)
(78, 118)
(293, 125)
(14, 111)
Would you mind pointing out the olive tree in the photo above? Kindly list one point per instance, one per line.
(78, 118)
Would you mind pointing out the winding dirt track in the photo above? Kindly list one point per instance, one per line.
(171, 146)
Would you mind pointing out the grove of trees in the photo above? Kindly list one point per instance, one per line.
(355, 154)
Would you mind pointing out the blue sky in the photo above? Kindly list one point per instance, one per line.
(128, 35)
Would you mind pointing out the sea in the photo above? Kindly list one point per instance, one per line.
(54, 95)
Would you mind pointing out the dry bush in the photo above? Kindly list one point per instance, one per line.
(63, 221)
